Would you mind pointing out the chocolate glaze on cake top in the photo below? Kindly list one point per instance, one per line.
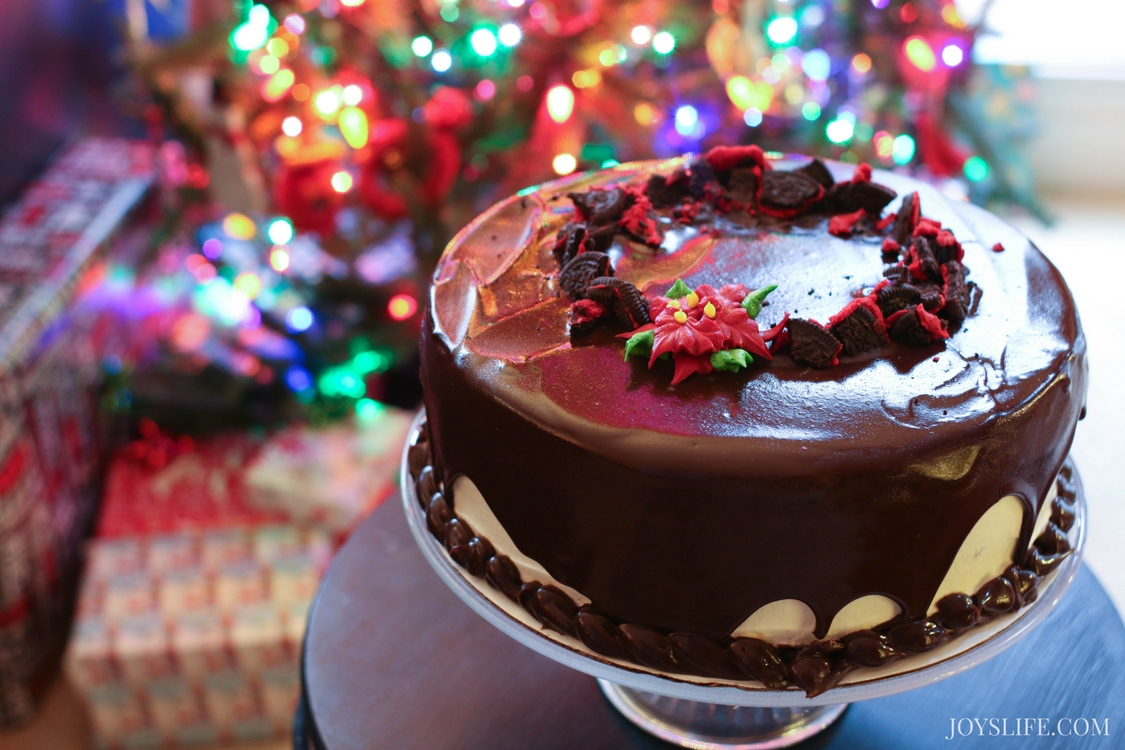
(597, 465)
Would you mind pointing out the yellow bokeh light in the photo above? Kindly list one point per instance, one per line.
(327, 102)
(269, 65)
(564, 163)
(794, 93)
(239, 226)
(646, 114)
(861, 63)
(279, 259)
(560, 102)
(341, 182)
(278, 47)
(249, 284)
(276, 85)
(353, 126)
(950, 15)
(584, 79)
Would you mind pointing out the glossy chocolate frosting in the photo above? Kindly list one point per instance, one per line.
(688, 507)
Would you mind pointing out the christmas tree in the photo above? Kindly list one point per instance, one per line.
(368, 131)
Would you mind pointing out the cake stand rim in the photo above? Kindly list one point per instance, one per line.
(684, 686)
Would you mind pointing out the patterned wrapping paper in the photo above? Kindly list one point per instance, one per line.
(53, 245)
(194, 636)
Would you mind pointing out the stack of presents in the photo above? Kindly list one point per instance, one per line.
(171, 578)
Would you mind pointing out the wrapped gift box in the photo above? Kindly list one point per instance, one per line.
(54, 244)
(195, 636)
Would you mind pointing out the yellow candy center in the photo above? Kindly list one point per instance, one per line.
(674, 304)
(692, 299)
(680, 316)
(709, 310)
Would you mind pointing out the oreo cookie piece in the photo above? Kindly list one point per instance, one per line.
(580, 271)
(789, 191)
(816, 170)
(848, 197)
(626, 301)
(956, 293)
(906, 219)
(897, 297)
(600, 206)
(743, 185)
(701, 175)
(812, 344)
(665, 191)
(568, 242)
(925, 263)
(584, 316)
(859, 332)
(907, 329)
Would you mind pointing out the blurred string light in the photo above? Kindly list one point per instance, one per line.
(782, 29)
(441, 61)
(952, 55)
(422, 46)
(269, 64)
(861, 63)
(920, 54)
(212, 249)
(810, 111)
(401, 307)
(341, 182)
(352, 95)
(841, 129)
(255, 31)
(564, 164)
(641, 35)
(298, 379)
(277, 85)
(327, 102)
(752, 117)
(664, 43)
(280, 231)
(299, 319)
(367, 408)
(817, 64)
(509, 35)
(279, 259)
(688, 122)
(976, 169)
(560, 103)
(353, 126)
(239, 226)
(295, 23)
(884, 144)
(292, 126)
(903, 150)
(483, 42)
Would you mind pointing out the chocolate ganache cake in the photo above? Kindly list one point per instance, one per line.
(750, 417)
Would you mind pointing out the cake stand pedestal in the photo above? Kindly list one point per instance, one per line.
(393, 659)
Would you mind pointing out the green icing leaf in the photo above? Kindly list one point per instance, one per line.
(640, 344)
(679, 289)
(753, 302)
(731, 360)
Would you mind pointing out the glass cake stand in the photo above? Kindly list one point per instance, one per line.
(714, 714)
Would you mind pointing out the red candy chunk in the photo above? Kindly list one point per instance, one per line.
(844, 224)
(722, 158)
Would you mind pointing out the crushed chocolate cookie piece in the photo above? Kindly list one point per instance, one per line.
(639, 221)
(568, 242)
(919, 636)
(702, 180)
(602, 205)
(932, 299)
(859, 328)
(915, 326)
(788, 192)
(665, 191)
(956, 293)
(849, 197)
(742, 185)
(584, 316)
(957, 611)
(898, 274)
(582, 269)
(816, 170)
(870, 649)
(761, 661)
(598, 633)
(695, 651)
(812, 344)
(647, 646)
(624, 299)
(906, 219)
(923, 262)
(895, 297)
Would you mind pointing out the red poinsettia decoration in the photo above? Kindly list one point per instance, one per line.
(700, 324)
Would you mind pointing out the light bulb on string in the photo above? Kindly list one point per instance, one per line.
(560, 102)
(664, 43)
(509, 35)
(564, 164)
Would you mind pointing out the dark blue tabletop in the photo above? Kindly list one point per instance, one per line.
(394, 660)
